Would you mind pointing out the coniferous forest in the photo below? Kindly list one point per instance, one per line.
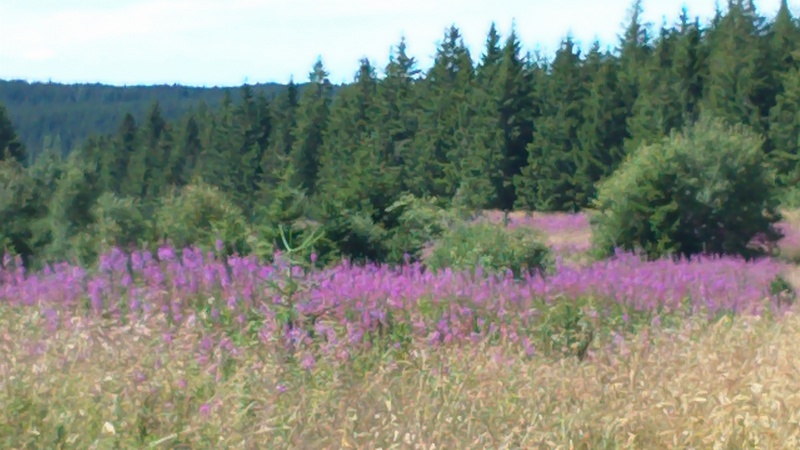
(498, 129)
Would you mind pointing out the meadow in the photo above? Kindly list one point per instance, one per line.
(186, 349)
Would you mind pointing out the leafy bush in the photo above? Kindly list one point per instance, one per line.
(705, 190)
(119, 222)
(491, 247)
(199, 215)
(420, 221)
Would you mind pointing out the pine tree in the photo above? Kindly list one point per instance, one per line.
(486, 72)
(784, 60)
(116, 159)
(312, 120)
(10, 145)
(156, 146)
(481, 136)
(187, 151)
(634, 51)
(434, 166)
(283, 121)
(690, 67)
(17, 208)
(517, 114)
(784, 132)
(397, 114)
(552, 181)
(737, 64)
(218, 159)
(602, 128)
(657, 109)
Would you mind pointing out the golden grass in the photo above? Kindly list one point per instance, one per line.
(729, 385)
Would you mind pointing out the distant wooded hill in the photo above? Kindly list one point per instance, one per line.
(64, 115)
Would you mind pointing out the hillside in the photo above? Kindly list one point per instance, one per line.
(73, 112)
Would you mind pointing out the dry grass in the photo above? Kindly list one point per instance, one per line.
(731, 385)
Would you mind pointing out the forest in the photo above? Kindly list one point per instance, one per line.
(63, 116)
(500, 130)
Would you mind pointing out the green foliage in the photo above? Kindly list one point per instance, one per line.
(63, 230)
(198, 215)
(566, 329)
(420, 221)
(552, 178)
(781, 289)
(73, 112)
(493, 248)
(706, 190)
(10, 145)
(16, 200)
(784, 132)
(119, 222)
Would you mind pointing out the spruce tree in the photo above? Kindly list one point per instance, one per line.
(283, 121)
(397, 114)
(115, 158)
(434, 166)
(602, 128)
(551, 180)
(784, 132)
(738, 68)
(690, 67)
(656, 110)
(312, 120)
(10, 145)
(517, 115)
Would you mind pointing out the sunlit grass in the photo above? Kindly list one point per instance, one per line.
(727, 384)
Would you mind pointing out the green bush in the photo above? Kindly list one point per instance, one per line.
(119, 222)
(493, 248)
(705, 190)
(198, 215)
(420, 221)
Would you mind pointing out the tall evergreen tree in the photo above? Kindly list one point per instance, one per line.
(551, 180)
(634, 51)
(784, 132)
(10, 145)
(435, 166)
(690, 67)
(114, 161)
(737, 76)
(183, 159)
(397, 114)
(657, 109)
(156, 146)
(517, 114)
(602, 128)
(312, 120)
(282, 121)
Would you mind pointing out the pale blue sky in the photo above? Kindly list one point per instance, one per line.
(224, 42)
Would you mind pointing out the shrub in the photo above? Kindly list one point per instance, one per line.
(198, 215)
(118, 222)
(705, 190)
(492, 248)
(420, 221)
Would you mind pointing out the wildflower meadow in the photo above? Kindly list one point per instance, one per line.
(182, 348)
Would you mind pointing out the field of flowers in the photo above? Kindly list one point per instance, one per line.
(183, 349)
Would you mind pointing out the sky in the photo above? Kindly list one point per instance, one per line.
(231, 42)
